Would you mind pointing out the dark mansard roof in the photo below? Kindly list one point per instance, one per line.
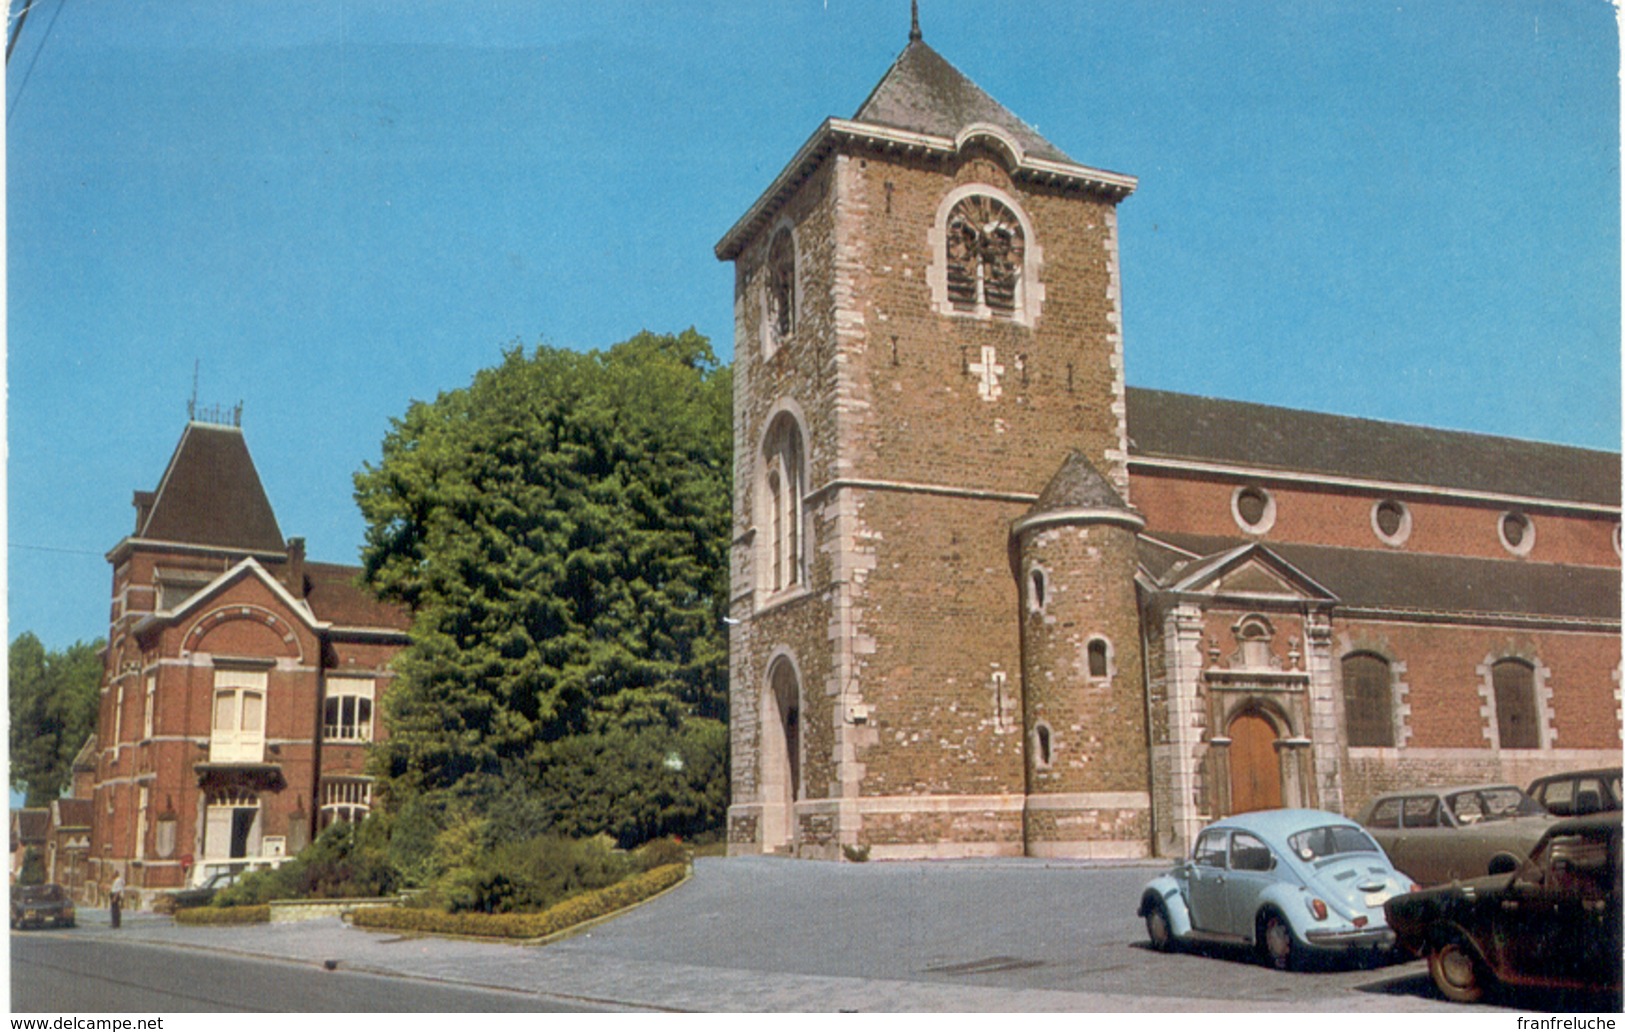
(1163, 424)
(211, 495)
(1416, 582)
(923, 93)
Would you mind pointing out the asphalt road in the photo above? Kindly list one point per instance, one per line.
(56, 972)
(763, 934)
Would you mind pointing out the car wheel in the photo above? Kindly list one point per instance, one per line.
(1275, 939)
(1158, 928)
(1456, 971)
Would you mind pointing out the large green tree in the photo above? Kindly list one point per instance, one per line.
(559, 529)
(53, 710)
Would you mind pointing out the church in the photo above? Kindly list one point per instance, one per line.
(988, 600)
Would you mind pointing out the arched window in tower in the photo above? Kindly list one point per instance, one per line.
(1368, 711)
(986, 248)
(1515, 716)
(1099, 658)
(781, 289)
(784, 485)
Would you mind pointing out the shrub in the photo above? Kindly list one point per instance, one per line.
(510, 877)
(346, 861)
(658, 853)
(223, 915)
(561, 917)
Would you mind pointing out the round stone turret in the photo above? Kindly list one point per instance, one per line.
(1082, 669)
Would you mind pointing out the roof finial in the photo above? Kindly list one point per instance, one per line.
(914, 22)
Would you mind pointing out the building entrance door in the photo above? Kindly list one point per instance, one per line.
(1255, 772)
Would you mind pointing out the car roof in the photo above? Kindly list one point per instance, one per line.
(1593, 772)
(1447, 790)
(1281, 823)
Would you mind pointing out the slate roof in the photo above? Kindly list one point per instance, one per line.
(1169, 425)
(923, 93)
(1077, 485)
(335, 596)
(73, 813)
(211, 494)
(30, 826)
(1371, 579)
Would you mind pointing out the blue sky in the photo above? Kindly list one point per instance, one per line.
(1404, 211)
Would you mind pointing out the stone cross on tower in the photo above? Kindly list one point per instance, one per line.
(988, 370)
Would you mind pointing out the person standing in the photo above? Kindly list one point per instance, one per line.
(118, 898)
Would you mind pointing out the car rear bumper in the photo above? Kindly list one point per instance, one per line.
(1370, 938)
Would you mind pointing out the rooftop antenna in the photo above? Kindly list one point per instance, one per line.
(191, 406)
(914, 22)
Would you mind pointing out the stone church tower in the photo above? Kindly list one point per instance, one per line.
(933, 654)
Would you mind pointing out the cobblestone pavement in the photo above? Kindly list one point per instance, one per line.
(770, 934)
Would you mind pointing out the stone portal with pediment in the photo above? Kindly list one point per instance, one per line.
(1242, 693)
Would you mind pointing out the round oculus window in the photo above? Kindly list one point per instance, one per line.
(1253, 509)
(1517, 533)
(1391, 520)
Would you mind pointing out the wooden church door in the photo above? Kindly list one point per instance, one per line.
(1255, 773)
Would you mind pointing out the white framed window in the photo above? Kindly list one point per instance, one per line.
(142, 800)
(238, 723)
(1391, 521)
(347, 710)
(1517, 532)
(345, 800)
(1253, 508)
(784, 485)
(780, 303)
(985, 258)
(152, 699)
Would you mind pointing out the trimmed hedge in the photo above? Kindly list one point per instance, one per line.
(223, 915)
(558, 918)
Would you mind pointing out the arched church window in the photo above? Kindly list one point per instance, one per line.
(784, 485)
(1040, 589)
(781, 289)
(1515, 716)
(1099, 658)
(1042, 746)
(1368, 712)
(986, 248)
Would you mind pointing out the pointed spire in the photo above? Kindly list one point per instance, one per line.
(914, 22)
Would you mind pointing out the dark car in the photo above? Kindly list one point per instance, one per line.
(40, 905)
(1554, 923)
(200, 895)
(1578, 792)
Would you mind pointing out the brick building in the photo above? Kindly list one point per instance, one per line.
(240, 684)
(989, 600)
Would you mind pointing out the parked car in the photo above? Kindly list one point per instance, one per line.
(1289, 883)
(40, 905)
(1554, 923)
(201, 894)
(1578, 792)
(1439, 834)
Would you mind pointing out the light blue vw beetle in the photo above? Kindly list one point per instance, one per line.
(1290, 883)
